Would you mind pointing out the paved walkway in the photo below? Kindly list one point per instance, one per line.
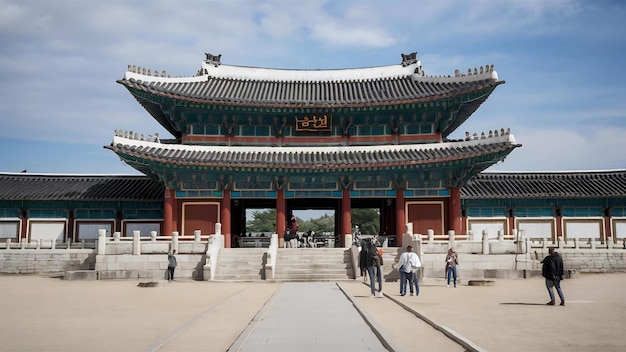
(46, 314)
(308, 317)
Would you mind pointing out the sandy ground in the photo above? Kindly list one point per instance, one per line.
(48, 314)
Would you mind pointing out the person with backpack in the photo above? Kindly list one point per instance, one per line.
(552, 270)
(370, 261)
(408, 263)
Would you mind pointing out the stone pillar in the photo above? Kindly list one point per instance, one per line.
(174, 241)
(431, 236)
(8, 243)
(153, 236)
(225, 217)
(136, 243)
(485, 242)
(500, 235)
(451, 239)
(197, 236)
(101, 246)
(346, 219)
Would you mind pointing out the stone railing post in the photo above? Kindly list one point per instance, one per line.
(39, 243)
(500, 235)
(136, 243)
(196, 236)
(451, 239)
(347, 242)
(609, 243)
(576, 245)
(174, 244)
(431, 236)
(101, 246)
(22, 243)
(8, 242)
(470, 235)
(218, 228)
(116, 236)
(485, 242)
(153, 235)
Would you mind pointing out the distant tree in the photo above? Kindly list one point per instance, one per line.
(262, 221)
(325, 223)
(368, 220)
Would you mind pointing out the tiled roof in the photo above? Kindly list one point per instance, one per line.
(311, 157)
(257, 86)
(537, 185)
(24, 186)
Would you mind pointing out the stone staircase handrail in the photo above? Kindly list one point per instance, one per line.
(272, 253)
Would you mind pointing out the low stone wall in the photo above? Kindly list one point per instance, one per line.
(149, 266)
(46, 261)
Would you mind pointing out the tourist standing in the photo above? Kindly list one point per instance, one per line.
(408, 262)
(369, 261)
(405, 266)
(171, 265)
(552, 270)
(451, 262)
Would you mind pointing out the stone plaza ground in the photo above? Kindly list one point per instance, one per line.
(48, 314)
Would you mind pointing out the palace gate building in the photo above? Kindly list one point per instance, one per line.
(250, 137)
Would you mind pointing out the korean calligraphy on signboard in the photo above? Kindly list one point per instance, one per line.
(313, 123)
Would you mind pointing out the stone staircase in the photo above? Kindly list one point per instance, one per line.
(313, 264)
(244, 264)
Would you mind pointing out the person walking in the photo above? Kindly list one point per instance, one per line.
(171, 265)
(408, 262)
(552, 270)
(369, 261)
(452, 261)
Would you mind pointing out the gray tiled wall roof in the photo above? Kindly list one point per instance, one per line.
(78, 187)
(536, 185)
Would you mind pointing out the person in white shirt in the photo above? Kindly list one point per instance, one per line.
(409, 262)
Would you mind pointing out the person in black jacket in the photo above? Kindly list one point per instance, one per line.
(370, 261)
(552, 270)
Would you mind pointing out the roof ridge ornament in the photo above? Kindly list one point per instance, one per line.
(409, 59)
(213, 59)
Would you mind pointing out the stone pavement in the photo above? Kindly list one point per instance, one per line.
(47, 314)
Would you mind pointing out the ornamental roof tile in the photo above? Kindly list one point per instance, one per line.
(538, 185)
(50, 187)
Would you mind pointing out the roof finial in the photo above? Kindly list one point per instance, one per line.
(408, 59)
(213, 59)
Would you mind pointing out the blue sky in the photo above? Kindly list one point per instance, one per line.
(562, 60)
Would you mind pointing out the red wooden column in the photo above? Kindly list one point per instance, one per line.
(511, 223)
(70, 226)
(559, 225)
(608, 236)
(168, 212)
(280, 214)
(400, 216)
(225, 217)
(24, 229)
(454, 210)
(346, 217)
